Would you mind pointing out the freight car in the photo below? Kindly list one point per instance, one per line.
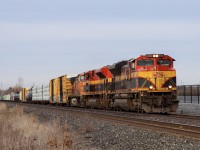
(13, 96)
(6, 97)
(61, 89)
(144, 84)
(25, 95)
(40, 94)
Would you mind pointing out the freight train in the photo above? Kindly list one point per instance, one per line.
(13, 96)
(143, 84)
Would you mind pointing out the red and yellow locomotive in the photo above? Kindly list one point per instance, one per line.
(144, 84)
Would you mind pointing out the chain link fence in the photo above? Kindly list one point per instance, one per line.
(189, 94)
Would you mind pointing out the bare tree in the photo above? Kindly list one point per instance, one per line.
(19, 84)
(9, 90)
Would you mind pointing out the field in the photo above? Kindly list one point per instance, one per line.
(20, 130)
(36, 127)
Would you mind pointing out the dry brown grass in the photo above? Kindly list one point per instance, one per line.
(21, 131)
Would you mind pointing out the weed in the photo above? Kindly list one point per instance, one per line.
(19, 131)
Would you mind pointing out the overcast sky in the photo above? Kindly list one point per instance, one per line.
(43, 39)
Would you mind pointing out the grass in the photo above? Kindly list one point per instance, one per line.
(21, 131)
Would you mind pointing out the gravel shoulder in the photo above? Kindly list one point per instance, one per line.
(89, 133)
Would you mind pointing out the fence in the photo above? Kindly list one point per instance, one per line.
(189, 94)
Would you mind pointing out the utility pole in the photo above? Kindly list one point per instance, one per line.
(1, 92)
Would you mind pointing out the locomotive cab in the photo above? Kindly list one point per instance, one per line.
(155, 62)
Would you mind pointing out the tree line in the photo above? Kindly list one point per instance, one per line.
(17, 88)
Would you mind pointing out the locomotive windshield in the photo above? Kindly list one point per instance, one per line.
(163, 62)
(145, 63)
(82, 78)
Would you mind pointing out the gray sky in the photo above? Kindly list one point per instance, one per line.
(40, 40)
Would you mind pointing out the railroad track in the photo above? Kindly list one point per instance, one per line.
(185, 116)
(178, 116)
(117, 118)
(173, 128)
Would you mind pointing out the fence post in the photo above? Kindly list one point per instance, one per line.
(184, 93)
(191, 92)
(198, 92)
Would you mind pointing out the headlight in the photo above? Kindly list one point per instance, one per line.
(156, 56)
(170, 87)
(151, 87)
